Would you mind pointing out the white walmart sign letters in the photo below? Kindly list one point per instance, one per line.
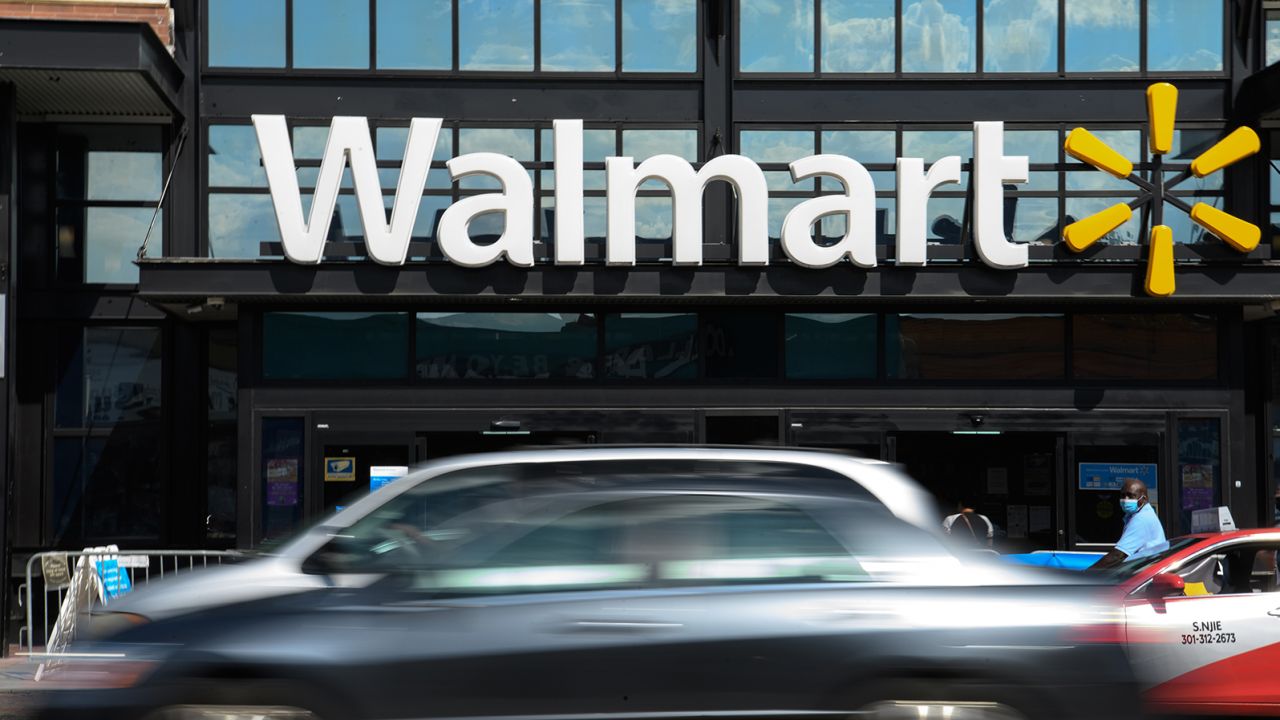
(388, 243)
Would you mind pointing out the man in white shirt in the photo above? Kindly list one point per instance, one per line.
(969, 527)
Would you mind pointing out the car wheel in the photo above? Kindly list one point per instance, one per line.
(246, 699)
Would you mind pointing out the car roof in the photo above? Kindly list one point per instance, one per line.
(887, 484)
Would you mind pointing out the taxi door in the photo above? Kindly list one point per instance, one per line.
(1217, 644)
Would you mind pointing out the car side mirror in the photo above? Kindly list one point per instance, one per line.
(1166, 584)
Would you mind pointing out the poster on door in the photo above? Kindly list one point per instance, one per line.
(382, 475)
(282, 482)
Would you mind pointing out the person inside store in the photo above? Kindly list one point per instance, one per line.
(969, 527)
(1143, 534)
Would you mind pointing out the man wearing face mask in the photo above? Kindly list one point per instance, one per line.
(1142, 534)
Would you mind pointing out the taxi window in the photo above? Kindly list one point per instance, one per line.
(1238, 570)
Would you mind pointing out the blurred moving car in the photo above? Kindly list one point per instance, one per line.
(1203, 623)
(281, 573)
(559, 586)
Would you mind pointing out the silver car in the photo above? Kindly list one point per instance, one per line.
(282, 572)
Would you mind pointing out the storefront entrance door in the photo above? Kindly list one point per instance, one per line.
(1012, 478)
(351, 468)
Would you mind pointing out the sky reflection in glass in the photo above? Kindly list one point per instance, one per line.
(577, 35)
(938, 36)
(1020, 35)
(246, 33)
(1184, 35)
(415, 34)
(495, 34)
(659, 36)
(776, 37)
(858, 36)
(331, 34)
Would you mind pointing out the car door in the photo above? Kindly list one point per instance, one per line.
(1219, 642)
(643, 603)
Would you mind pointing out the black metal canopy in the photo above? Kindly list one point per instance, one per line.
(85, 68)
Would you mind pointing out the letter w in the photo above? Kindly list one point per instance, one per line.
(349, 140)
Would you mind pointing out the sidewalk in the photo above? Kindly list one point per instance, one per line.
(17, 687)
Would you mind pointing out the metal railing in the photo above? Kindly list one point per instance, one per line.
(140, 566)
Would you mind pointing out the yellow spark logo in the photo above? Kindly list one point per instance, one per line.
(1162, 104)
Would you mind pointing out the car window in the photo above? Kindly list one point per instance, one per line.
(1129, 568)
(683, 539)
(1236, 570)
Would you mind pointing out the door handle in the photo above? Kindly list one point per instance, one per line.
(1274, 613)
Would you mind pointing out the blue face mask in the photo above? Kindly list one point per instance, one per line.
(1129, 506)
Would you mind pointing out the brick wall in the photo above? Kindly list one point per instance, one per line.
(155, 13)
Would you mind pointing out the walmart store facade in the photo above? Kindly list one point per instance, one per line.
(197, 396)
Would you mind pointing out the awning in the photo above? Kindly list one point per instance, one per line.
(85, 68)
(205, 289)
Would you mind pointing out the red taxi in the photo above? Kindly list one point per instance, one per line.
(1203, 623)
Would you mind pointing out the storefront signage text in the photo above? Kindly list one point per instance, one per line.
(350, 142)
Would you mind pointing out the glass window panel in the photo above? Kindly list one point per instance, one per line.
(641, 144)
(858, 36)
(239, 224)
(487, 227)
(234, 158)
(778, 146)
(333, 345)
(651, 346)
(946, 219)
(1273, 176)
(309, 141)
(111, 376)
(246, 33)
(1020, 35)
(778, 209)
(1040, 146)
(331, 34)
(506, 346)
(775, 37)
(830, 346)
(866, 146)
(1184, 230)
(307, 177)
(578, 35)
(430, 210)
(1145, 347)
(513, 142)
(1102, 36)
(653, 218)
(495, 34)
(939, 36)
(1273, 44)
(109, 162)
(1035, 220)
(112, 236)
(972, 347)
(659, 36)
(1079, 208)
(283, 462)
(1199, 466)
(415, 34)
(740, 344)
(124, 176)
(932, 145)
(595, 219)
(391, 143)
(1096, 180)
(1187, 145)
(1184, 35)
(107, 488)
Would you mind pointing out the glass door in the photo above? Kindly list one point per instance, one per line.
(1100, 465)
(349, 465)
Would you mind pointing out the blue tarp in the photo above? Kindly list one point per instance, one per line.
(1064, 560)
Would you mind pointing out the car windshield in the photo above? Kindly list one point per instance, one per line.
(540, 527)
(1129, 568)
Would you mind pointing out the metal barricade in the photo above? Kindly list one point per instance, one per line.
(140, 566)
